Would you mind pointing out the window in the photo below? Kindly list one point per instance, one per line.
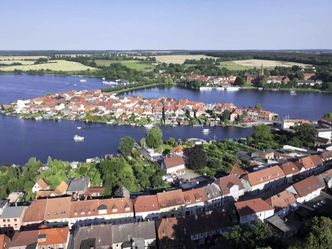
(15, 219)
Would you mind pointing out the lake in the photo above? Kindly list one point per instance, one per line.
(22, 139)
(304, 105)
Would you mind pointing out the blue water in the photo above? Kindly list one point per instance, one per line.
(22, 139)
(304, 105)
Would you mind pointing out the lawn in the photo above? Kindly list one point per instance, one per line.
(179, 59)
(54, 65)
(132, 64)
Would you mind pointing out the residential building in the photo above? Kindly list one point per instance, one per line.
(268, 178)
(40, 185)
(195, 200)
(282, 202)
(78, 186)
(94, 236)
(291, 169)
(230, 186)
(55, 238)
(134, 235)
(12, 217)
(146, 207)
(213, 194)
(306, 189)
(253, 210)
(171, 203)
(174, 165)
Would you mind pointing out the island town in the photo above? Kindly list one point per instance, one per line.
(99, 106)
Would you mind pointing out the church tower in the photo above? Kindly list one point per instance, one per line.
(261, 72)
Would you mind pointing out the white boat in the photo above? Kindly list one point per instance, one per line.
(292, 92)
(148, 126)
(83, 80)
(79, 127)
(206, 131)
(110, 83)
(205, 88)
(78, 138)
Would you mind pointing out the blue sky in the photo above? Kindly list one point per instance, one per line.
(167, 24)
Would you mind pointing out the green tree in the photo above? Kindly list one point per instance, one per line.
(197, 158)
(154, 138)
(319, 234)
(225, 116)
(305, 136)
(251, 236)
(263, 137)
(258, 106)
(126, 145)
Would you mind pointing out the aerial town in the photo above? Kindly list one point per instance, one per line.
(98, 106)
(166, 124)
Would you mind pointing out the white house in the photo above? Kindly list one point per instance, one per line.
(253, 210)
(174, 165)
(40, 185)
(267, 178)
(306, 189)
(230, 186)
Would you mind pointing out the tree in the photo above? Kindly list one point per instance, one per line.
(263, 137)
(126, 145)
(154, 138)
(252, 236)
(319, 234)
(239, 81)
(225, 116)
(258, 106)
(305, 136)
(197, 158)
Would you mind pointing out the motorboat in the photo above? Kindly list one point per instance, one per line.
(293, 92)
(79, 127)
(83, 80)
(78, 138)
(206, 131)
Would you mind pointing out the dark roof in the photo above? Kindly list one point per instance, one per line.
(97, 235)
(78, 184)
(126, 232)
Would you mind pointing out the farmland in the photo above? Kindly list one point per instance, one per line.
(54, 65)
(132, 64)
(266, 63)
(179, 59)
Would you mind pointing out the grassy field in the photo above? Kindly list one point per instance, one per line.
(132, 64)
(178, 59)
(54, 65)
(266, 63)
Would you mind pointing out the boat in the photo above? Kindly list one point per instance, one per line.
(148, 126)
(197, 125)
(292, 92)
(206, 131)
(78, 138)
(83, 80)
(79, 127)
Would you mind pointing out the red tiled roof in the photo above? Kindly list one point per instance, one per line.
(173, 161)
(237, 171)
(307, 186)
(42, 184)
(194, 196)
(53, 236)
(282, 200)
(170, 198)
(146, 203)
(264, 175)
(291, 168)
(226, 182)
(252, 206)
